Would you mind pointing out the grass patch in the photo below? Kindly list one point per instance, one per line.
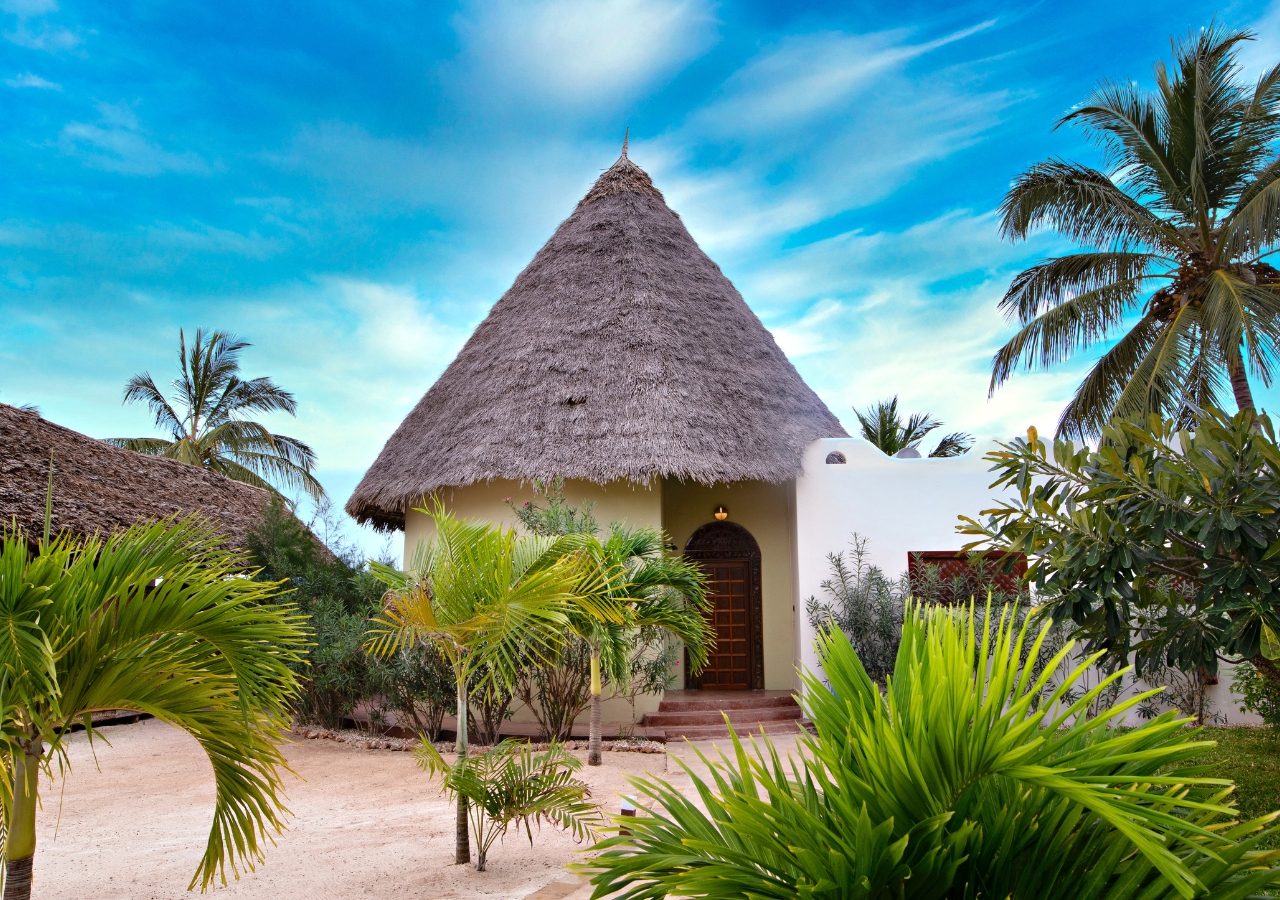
(1251, 758)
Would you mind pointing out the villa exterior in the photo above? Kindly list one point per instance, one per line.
(623, 360)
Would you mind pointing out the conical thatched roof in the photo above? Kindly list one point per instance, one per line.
(99, 489)
(621, 352)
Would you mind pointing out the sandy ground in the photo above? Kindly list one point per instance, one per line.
(365, 823)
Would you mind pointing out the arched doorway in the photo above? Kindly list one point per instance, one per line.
(730, 557)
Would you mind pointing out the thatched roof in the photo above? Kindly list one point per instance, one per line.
(621, 352)
(98, 488)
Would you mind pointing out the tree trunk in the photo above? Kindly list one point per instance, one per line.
(593, 738)
(20, 843)
(462, 839)
(1240, 381)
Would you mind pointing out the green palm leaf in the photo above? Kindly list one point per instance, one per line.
(975, 774)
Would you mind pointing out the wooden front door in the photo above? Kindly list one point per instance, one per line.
(729, 665)
(730, 557)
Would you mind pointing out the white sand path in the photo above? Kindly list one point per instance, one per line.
(365, 823)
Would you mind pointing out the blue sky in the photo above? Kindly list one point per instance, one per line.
(350, 186)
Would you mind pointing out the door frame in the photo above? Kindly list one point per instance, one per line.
(730, 541)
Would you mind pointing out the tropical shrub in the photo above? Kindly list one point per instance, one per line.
(865, 604)
(337, 594)
(1257, 694)
(489, 602)
(558, 693)
(659, 595)
(416, 684)
(511, 784)
(955, 781)
(1107, 530)
(157, 619)
(868, 606)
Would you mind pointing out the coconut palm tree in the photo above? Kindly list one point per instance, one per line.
(655, 591)
(153, 620)
(207, 419)
(882, 426)
(1174, 282)
(489, 601)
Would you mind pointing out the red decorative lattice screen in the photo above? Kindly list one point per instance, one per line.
(950, 576)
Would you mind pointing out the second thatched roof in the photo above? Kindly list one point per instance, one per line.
(621, 352)
(99, 489)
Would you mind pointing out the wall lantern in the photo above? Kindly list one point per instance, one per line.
(721, 513)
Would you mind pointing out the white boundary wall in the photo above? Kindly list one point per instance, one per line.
(900, 506)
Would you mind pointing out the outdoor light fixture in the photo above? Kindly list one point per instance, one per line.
(721, 513)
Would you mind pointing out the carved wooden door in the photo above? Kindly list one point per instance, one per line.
(729, 587)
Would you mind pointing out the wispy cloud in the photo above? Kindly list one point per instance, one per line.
(807, 75)
(32, 31)
(117, 142)
(580, 52)
(1263, 53)
(31, 80)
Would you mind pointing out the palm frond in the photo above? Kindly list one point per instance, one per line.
(1059, 332)
(155, 619)
(1085, 205)
(142, 389)
(946, 785)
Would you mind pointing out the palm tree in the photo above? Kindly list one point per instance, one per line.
(656, 591)
(207, 420)
(151, 619)
(489, 601)
(882, 426)
(1177, 232)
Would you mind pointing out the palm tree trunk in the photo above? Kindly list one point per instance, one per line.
(1240, 381)
(593, 738)
(20, 843)
(462, 839)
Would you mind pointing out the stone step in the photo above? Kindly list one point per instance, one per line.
(683, 702)
(719, 732)
(738, 717)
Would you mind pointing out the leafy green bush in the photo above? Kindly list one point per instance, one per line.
(417, 685)
(1107, 530)
(332, 588)
(512, 784)
(956, 781)
(867, 605)
(1257, 694)
(863, 603)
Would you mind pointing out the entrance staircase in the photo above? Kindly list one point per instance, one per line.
(700, 715)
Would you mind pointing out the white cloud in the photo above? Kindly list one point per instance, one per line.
(31, 80)
(1263, 53)
(808, 74)
(581, 52)
(879, 318)
(817, 125)
(118, 143)
(26, 9)
(34, 33)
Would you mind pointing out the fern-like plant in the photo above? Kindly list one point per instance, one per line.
(511, 784)
(960, 779)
